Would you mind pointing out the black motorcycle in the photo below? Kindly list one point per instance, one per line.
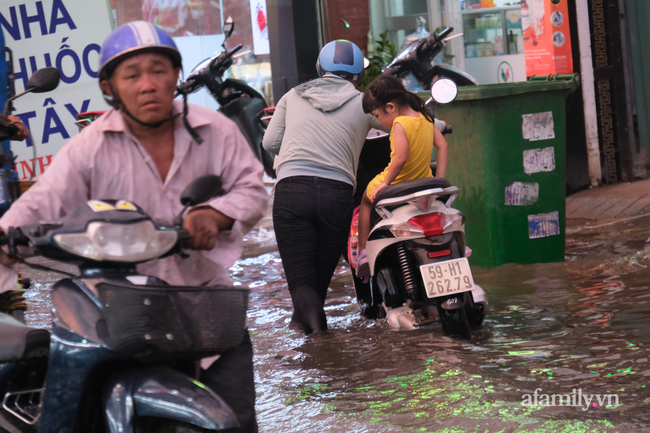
(418, 59)
(239, 101)
(124, 348)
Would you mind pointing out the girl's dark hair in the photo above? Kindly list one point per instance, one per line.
(388, 88)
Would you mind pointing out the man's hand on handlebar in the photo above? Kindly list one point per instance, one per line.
(22, 133)
(4, 258)
(204, 225)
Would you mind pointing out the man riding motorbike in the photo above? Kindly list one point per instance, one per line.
(146, 150)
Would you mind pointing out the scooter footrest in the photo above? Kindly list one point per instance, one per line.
(24, 405)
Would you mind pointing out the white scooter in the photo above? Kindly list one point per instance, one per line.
(416, 252)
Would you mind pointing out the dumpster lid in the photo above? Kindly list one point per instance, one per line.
(536, 84)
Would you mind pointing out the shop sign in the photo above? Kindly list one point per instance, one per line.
(260, 27)
(66, 34)
(505, 73)
(547, 37)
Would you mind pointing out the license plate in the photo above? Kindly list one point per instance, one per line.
(447, 278)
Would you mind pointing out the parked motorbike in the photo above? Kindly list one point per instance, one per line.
(43, 80)
(416, 253)
(417, 59)
(239, 101)
(123, 351)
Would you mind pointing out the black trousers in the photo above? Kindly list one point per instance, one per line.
(311, 218)
(231, 377)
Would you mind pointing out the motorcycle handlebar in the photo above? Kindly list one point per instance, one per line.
(189, 86)
(13, 239)
(224, 59)
(445, 32)
(183, 235)
(234, 50)
(433, 42)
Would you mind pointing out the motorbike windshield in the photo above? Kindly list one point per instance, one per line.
(405, 52)
(204, 64)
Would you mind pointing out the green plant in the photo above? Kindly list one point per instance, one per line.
(385, 52)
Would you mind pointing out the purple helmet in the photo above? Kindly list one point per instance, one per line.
(134, 38)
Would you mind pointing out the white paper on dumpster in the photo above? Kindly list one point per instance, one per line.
(537, 160)
(538, 126)
(543, 225)
(522, 194)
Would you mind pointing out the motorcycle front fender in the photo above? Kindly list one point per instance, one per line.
(162, 393)
(452, 302)
(459, 76)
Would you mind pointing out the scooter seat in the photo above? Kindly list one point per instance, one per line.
(406, 188)
(18, 341)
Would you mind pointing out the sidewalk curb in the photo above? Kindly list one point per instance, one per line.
(578, 229)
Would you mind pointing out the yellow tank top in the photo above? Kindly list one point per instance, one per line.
(419, 132)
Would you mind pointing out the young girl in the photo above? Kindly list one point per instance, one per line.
(412, 138)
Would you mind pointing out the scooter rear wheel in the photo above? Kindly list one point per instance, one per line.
(475, 312)
(454, 322)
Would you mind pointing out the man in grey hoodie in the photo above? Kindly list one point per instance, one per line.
(317, 131)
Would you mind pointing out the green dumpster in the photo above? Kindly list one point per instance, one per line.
(507, 155)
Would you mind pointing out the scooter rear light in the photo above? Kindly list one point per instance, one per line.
(431, 224)
(434, 254)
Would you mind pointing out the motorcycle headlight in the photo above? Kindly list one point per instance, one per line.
(105, 241)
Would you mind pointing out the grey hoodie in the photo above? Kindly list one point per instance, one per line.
(318, 129)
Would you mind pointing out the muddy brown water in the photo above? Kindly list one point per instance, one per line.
(577, 332)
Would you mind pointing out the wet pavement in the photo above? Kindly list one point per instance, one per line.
(577, 332)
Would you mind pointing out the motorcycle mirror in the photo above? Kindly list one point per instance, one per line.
(228, 27)
(199, 191)
(44, 80)
(444, 91)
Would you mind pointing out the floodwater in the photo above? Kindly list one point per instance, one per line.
(574, 333)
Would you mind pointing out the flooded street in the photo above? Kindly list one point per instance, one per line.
(578, 329)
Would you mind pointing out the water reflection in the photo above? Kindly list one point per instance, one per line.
(559, 327)
(577, 325)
